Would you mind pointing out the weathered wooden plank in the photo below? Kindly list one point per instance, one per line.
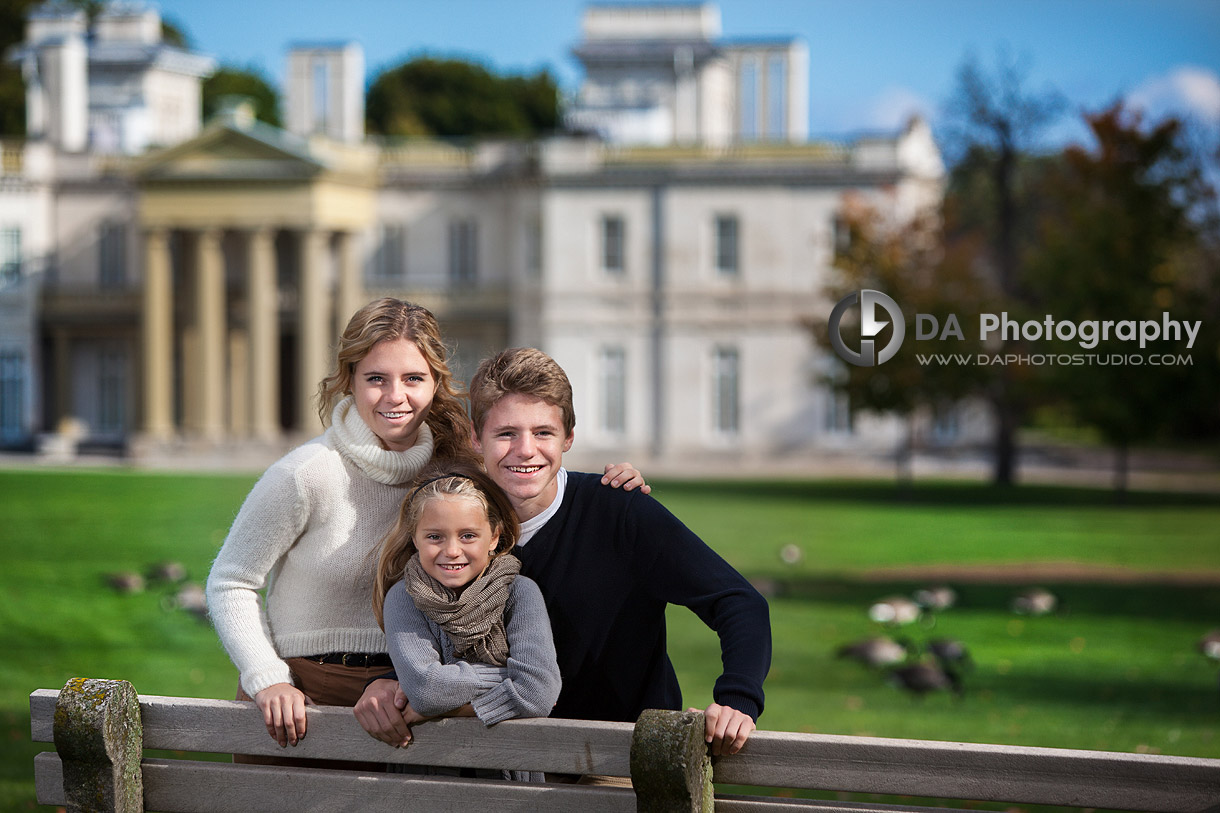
(1052, 776)
(42, 714)
(188, 786)
(228, 726)
(776, 759)
(48, 778)
(728, 803)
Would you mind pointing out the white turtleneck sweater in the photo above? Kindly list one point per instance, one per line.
(310, 532)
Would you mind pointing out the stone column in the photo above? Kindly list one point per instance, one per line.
(61, 349)
(157, 336)
(351, 297)
(100, 739)
(210, 321)
(263, 321)
(313, 328)
(670, 767)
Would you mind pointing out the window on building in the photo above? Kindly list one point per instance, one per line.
(614, 232)
(614, 390)
(726, 228)
(463, 251)
(10, 255)
(838, 412)
(112, 255)
(389, 262)
(747, 97)
(837, 415)
(777, 97)
(841, 231)
(12, 395)
(726, 385)
(321, 95)
(112, 386)
(946, 423)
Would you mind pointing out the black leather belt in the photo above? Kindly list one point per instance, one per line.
(354, 658)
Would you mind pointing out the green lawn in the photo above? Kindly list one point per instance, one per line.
(1114, 669)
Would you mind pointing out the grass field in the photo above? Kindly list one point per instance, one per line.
(1115, 668)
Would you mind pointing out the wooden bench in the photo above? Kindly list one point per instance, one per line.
(101, 727)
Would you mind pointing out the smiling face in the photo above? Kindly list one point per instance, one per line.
(393, 388)
(522, 444)
(454, 540)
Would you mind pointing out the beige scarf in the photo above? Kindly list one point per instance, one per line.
(474, 620)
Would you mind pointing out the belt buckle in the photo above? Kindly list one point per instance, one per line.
(354, 658)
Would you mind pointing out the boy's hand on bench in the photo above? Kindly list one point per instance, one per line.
(380, 711)
(727, 728)
(283, 707)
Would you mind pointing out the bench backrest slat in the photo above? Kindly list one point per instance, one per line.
(227, 726)
(774, 759)
(188, 786)
(1054, 776)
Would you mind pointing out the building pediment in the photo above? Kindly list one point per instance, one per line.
(227, 152)
(240, 173)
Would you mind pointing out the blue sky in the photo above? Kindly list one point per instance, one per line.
(872, 62)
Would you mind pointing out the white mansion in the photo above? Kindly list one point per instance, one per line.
(170, 283)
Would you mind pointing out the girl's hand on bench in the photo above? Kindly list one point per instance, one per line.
(283, 707)
(380, 711)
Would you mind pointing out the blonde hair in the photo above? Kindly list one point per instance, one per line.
(437, 480)
(387, 320)
(521, 371)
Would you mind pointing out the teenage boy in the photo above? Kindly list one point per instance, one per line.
(609, 561)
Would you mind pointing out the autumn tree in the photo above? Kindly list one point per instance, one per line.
(448, 97)
(1127, 235)
(907, 260)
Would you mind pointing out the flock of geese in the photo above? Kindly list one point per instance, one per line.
(938, 664)
(170, 577)
(935, 666)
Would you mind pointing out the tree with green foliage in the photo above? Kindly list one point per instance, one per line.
(13, 14)
(448, 97)
(994, 124)
(249, 82)
(1122, 238)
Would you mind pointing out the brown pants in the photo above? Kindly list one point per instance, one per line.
(325, 684)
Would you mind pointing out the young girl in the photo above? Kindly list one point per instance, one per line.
(468, 636)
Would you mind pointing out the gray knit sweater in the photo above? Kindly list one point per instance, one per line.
(435, 681)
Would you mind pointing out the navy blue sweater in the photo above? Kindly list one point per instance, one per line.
(608, 563)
